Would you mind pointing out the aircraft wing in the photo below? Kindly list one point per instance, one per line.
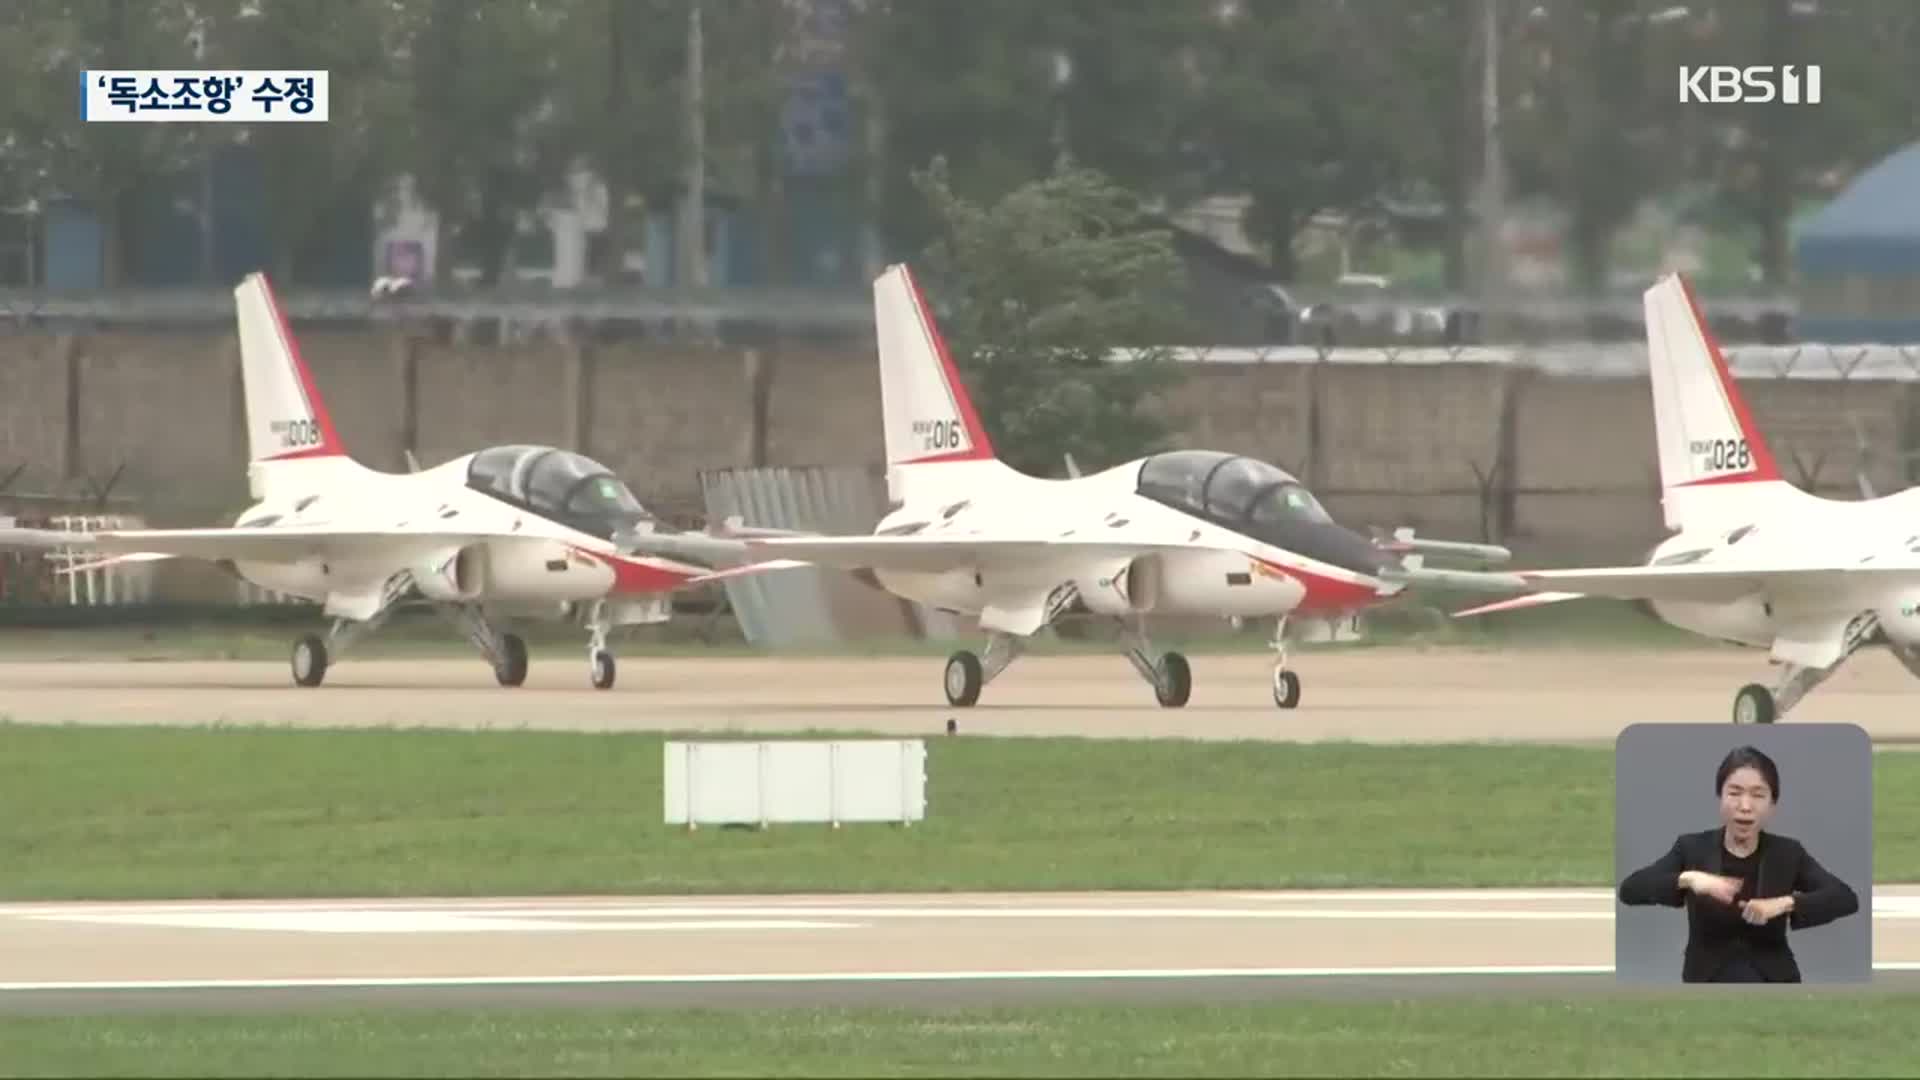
(1525, 600)
(34, 539)
(933, 554)
(293, 544)
(258, 545)
(1711, 584)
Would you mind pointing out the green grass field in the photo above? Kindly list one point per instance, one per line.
(1801, 1034)
(108, 812)
(143, 812)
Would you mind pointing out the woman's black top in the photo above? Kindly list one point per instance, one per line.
(1721, 944)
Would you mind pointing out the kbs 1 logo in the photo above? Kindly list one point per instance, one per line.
(1788, 84)
(203, 97)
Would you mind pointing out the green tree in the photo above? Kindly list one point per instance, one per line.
(969, 83)
(1593, 132)
(317, 174)
(485, 140)
(1125, 73)
(1758, 160)
(1293, 117)
(619, 95)
(1041, 285)
(1002, 88)
(45, 44)
(1422, 59)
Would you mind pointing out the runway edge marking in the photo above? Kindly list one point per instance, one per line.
(830, 977)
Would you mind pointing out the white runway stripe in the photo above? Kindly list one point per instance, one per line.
(841, 977)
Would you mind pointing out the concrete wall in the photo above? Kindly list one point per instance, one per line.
(1558, 466)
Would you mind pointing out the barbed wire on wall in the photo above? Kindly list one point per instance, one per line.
(1597, 359)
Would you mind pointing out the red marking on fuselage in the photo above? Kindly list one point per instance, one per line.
(1748, 477)
(321, 451)
(956, 455)
(1324, 593)
(634, 575)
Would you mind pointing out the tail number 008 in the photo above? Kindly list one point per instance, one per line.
(298, 433)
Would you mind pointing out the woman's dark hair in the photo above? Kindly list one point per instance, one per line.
(1744, 757)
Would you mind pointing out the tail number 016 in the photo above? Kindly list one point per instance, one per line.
(939, 434)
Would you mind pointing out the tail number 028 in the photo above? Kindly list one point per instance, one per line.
(1729, 454)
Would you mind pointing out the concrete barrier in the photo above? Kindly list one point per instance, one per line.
(1531, 455)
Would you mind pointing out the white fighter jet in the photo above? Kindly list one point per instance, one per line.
(1189, 532)
(510, 531)
(1753, 559)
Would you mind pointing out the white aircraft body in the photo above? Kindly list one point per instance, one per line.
(510, 531)
(1753, 560)
(1189, 532)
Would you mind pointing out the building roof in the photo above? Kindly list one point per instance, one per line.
(1872, 227)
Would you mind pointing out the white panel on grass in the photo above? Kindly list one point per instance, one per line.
(757, 783)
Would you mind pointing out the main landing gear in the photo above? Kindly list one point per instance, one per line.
(1757, 704)
(1754, 704)
(1170, 676)
(506, 652)
(312, 654)
(967, 674)
(1169, 673)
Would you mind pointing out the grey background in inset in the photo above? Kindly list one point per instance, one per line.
(1663, 786)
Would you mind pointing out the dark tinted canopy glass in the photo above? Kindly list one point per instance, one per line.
(1220, 486)
(1255, 499)
(553, 482)
(1287, 501)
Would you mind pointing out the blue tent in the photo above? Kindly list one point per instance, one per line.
(1859, 258)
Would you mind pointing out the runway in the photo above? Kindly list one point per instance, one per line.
(1373, 694)
(947, 949)
(817, 949)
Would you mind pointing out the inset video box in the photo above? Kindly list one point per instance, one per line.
(1743, 854)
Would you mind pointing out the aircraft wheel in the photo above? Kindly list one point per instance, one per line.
(603, 670)
(309, 660)
(512, 668)
(1754, 704)
(1286, 688)
(1173, 683)
(963, 679)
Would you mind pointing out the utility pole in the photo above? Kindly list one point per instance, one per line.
(1492, 174)
(693, 217)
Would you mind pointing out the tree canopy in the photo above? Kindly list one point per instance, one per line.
(1301, 106)
(1040, 287)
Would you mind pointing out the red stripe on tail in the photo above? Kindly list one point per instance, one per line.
(330, 444)
(976, 431)
(1763, 464)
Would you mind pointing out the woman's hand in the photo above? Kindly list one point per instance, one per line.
(1701, 883)
(1761, 912)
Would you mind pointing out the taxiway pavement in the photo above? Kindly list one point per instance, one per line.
(1376, 694)
(818, 949)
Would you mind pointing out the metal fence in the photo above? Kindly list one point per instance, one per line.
(1598, 359)
(811, 607)
(762, 314)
